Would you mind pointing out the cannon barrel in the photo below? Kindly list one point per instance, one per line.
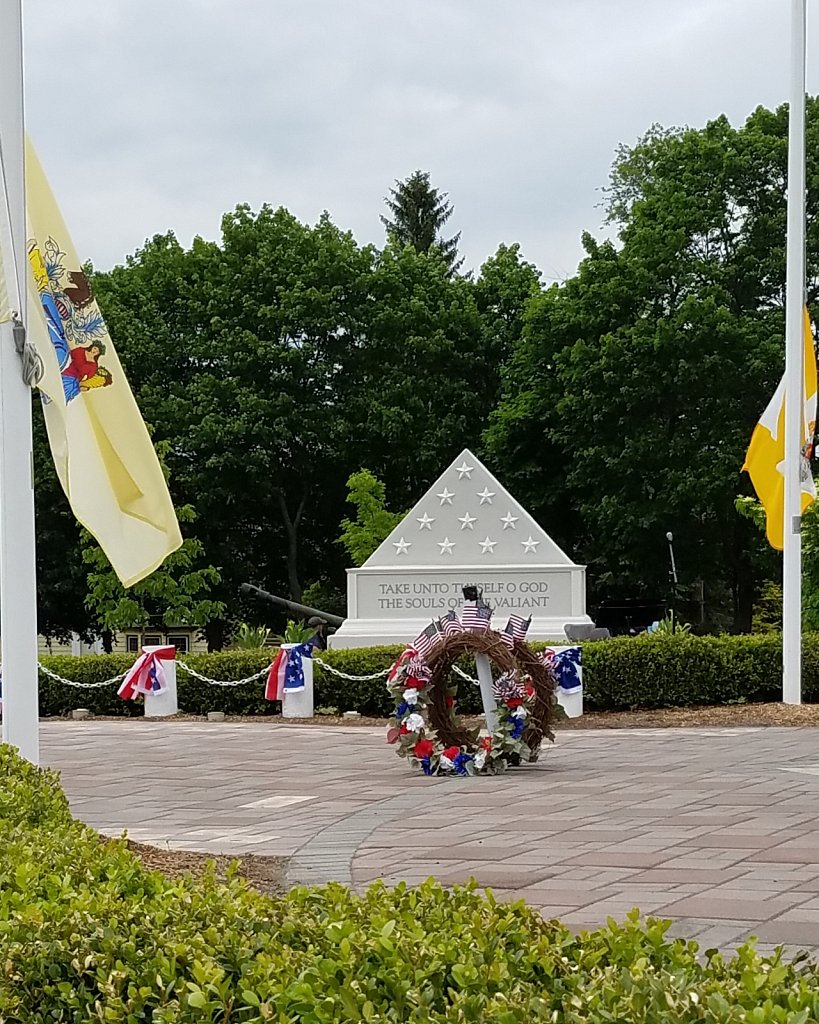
(291, 606)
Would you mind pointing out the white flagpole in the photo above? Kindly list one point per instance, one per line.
(18, 588)
(794, 367)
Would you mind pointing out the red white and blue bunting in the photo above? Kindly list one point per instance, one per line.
(147, 675)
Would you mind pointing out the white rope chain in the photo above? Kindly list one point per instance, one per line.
(215, 682)
(221, 682)
(470, 679)
(346, 675)
(81, 686)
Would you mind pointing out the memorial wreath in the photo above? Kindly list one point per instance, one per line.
(425, 726)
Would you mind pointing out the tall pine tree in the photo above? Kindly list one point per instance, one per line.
(419, 212)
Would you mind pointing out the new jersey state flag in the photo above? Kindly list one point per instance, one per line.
(102, 451)
(765, 461)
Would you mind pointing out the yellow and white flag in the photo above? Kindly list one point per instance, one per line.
(765, 460)
(102, 451)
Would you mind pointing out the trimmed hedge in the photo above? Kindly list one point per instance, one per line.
(618, 674)
(86, 933)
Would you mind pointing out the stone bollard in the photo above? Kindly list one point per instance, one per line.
(216, 716)
(80, 714)
(299, 703)
(161, 705)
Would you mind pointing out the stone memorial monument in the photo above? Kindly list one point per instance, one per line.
(467, 529)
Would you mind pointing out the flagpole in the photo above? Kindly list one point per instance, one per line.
(18, 587)
(794, 367)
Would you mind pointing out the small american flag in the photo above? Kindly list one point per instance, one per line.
(451, 624)
(477, 616)
(427, 639)
(515, 629)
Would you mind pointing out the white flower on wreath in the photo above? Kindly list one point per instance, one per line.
(446, 762)
(410, 695)
(414, 722)
(480, 759)
(519, 712)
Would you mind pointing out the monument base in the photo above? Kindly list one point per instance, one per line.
(379, 632)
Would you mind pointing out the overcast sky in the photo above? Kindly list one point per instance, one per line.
(152, 115)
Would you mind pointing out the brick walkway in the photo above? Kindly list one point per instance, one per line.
(717, 829)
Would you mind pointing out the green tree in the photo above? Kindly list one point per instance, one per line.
(237, 353)
(503, 290)
(175, 594)
(373, 523)
(419, 212)
(178, 593)
(61, 582)
(419, 383)
(630, 399)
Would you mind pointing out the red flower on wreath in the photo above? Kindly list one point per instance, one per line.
(514, 702)
(450, 702)
(403, 730)
(451, 752)
(529, 690)
(486, 743)
(423, 748)
(414, 684)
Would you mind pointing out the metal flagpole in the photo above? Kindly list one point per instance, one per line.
(18, 589)
(794, 367)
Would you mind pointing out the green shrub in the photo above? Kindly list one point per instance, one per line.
(680, 670)
(87, 934)
(618, 674)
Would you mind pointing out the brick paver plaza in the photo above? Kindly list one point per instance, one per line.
(717, 829)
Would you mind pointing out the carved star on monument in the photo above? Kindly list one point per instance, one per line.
(464, 470)
(486, 496)
(426, 522)
(530, 545)
(509, 521)
(401, 546)
(487, 545)
(466, 521)
(446, 545)
(445, 496)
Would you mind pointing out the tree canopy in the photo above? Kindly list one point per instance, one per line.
(277, 361)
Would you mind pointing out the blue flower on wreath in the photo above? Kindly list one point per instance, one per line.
(517, 728)
(426, 764)
(401, 709)
(461, 762)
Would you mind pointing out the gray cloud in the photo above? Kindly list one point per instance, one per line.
(164, 114)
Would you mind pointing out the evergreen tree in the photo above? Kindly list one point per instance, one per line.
(419, 212)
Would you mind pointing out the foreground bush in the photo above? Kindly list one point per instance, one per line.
(86, 934)
(618, 674)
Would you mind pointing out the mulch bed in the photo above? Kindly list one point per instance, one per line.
(731, 715)
(267, 874)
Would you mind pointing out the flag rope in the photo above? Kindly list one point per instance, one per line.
(214, 682)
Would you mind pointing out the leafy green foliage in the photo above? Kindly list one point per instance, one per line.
(373, 523)
(296, 632)
(636, 384)
(250, 637)
(682, 670)
(771, 598)
(670, 625)
(88, 933)
(176, 594)
(768, 610)
(419, 211)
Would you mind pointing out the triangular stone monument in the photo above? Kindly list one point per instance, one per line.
(467, 529)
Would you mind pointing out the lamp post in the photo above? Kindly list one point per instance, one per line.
(670, 538)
